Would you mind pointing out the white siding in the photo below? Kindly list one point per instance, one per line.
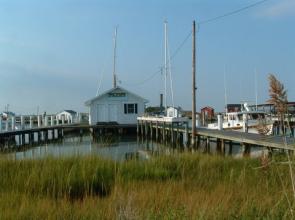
(110, 109)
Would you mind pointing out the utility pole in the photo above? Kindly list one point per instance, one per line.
(193, 141)
(115, 54)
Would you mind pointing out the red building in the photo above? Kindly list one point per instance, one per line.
(207, 113)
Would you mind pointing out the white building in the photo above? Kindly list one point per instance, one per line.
(174, 112)
(116, 105)
(68, 115)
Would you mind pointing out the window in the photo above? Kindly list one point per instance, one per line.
(130, 108)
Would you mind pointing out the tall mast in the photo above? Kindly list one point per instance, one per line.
(225, 90)
(194, 87)
(256, 93)
(165, 64)
(115, 55)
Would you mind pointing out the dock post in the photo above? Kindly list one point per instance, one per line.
(151, 129)
(51, 120)
(230, 149)
(218, 145)
(245, 122)
(62, 119)
(141, 128)
(198, 141)
(12, 123)
(246, 149)
(22, 122)
(145, 130)
(31, 138)
(177, 134)
(31, 122)
(19, 140)
(157, 131)
(45, 133)
(39, 121)
(186, 135)
(7, 124)
(39, 136)
(172, 133)
(207, 144)
(222, 146)
(220, 122)
(24, 139)
(45, 120)
(164, 132)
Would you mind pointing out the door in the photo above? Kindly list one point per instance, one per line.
(113, 112)
(101, 113)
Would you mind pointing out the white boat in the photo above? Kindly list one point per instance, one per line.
(247, 120)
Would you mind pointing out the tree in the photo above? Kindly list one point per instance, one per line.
(278, 97)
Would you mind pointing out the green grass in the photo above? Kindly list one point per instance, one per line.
(184, 186)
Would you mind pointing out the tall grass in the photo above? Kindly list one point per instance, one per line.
(168, 187)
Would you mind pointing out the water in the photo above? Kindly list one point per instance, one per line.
(123, 149)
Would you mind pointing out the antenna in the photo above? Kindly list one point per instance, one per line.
(165, 64)
(115, 55)
(256, 92)
(225, 91)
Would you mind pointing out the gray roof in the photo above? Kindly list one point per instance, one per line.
(110, 90)
(69, 111)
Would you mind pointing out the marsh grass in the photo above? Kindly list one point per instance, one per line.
(184, 186)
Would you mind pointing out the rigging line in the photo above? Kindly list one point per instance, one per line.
(171, 58)
(102, 74)
(145, 80)
(181, 45)
(170, 74)
(232, 12)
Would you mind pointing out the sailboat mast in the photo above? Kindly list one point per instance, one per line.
(115, 55)
(165, 64)
(256, 93)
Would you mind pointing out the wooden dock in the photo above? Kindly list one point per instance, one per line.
(179, 133)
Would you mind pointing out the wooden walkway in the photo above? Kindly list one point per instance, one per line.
(248, 138)
(181, 133)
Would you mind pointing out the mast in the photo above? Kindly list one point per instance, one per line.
(165, 64)
(194, 87)
(225, 90)
(115, 56)
(256, 93)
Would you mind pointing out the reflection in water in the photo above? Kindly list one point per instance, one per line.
(122, 149)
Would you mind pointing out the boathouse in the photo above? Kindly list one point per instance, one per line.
(116, 105)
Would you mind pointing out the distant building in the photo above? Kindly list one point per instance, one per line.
(68, 115)
(116, 105)
(207, 113)
(6, 114)
(174, 112)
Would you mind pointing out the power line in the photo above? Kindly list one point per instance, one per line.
(232, 12)
(190, 33)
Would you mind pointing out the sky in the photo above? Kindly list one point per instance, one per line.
(57, 54)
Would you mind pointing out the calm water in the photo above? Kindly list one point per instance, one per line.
(122, 149)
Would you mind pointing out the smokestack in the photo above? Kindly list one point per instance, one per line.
(161, 101)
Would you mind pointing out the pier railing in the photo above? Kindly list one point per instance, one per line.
(23, 122)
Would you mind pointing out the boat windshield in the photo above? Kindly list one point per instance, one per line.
(256, 116)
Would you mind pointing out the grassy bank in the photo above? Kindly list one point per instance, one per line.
(169, 187)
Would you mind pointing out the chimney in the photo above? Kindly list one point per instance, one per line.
(161, 101)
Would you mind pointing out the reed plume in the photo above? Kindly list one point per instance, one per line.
(278, 97)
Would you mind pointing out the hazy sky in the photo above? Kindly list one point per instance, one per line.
(55, 53)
